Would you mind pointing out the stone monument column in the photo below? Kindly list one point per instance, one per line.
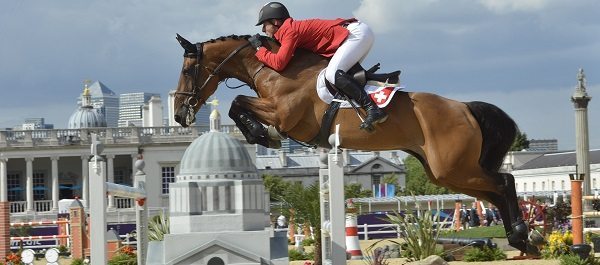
(580, 100)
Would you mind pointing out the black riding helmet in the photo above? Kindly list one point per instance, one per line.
(272, 10)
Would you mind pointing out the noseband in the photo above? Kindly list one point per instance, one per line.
(194, 96)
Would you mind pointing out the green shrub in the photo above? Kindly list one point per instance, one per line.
(374, 256)
(62, 249)
(570, 259)
(308, 242)
(297, 255)
(123, 259)
(419, 232)
(484, 254)
(77, 262)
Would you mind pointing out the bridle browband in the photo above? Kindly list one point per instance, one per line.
(194, 96)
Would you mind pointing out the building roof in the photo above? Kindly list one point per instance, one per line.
(98, 89)
(311, 160)
(417, 198)
(215, 155)
(559, 160)
(86, 117)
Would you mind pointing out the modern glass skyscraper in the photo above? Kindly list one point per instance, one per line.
(203, 116)
(131, 108)
(105, 102)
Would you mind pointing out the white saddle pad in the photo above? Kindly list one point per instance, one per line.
(381, 93)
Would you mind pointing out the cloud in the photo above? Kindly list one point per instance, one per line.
(506, 6)
(542, 113)
(520, 54)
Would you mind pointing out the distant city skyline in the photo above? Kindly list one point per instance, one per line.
(521, 55)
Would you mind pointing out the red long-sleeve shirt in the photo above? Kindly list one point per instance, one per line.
(321, 36)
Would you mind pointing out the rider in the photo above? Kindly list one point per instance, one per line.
(345, 41)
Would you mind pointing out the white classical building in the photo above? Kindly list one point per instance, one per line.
(39, 168)
(546, 175)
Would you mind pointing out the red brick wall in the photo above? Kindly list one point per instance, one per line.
(4, 230)
(112, 247)
(78, 233)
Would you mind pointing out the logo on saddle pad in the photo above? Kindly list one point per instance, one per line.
(381, 93)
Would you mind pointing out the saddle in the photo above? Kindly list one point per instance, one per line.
(361, 76)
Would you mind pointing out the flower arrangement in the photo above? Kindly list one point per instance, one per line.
(558, 244)
(13, 258)
(127, 250)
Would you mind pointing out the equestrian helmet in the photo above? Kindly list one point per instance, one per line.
(272, 10)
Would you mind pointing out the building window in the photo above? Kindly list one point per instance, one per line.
(533, 187)
(14, 186)
(376, 174)
(525, 186)
(376, 179)
(516, 186)
(593, 183)
(121, 176)
(168, 176)
(39, 187)
(562, 185)
(553, 185)
(543, 185)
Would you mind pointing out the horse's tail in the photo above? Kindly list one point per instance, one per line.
(498, 131)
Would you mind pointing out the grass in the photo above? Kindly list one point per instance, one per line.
(496, 231)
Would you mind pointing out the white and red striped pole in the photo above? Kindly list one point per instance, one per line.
(18, 238)
(352, 243)
(39, 223)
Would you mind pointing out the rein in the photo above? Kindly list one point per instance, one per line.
(194, 96)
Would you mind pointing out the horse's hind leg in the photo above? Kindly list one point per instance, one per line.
(518, 229)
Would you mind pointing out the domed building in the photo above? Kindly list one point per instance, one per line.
(86, 116)
(219, 210)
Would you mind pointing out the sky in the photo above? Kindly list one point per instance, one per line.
(521, 55)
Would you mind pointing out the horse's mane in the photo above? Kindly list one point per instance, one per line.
(223, 38)
(238, 37)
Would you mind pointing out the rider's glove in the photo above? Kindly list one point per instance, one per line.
(255, 41)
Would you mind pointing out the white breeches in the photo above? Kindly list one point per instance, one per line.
(353, 50)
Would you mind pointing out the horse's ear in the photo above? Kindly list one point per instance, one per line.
(188, 46)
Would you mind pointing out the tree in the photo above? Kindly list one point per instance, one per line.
(276, 186)
(354, 190)
(417, 182)
(304, 202)
(520, 142)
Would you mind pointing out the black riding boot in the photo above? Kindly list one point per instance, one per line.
(348, 86)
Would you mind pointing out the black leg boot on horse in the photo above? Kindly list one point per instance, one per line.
(257, 131)
(346, 84)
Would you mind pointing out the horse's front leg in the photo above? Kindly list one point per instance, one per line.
(251, 128)
(264, 110)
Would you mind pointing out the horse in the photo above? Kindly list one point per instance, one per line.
(461, 145)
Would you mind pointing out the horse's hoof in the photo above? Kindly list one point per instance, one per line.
(536, 239)
(274, 144)
(532, 250)
(521, 246)
(367, 127)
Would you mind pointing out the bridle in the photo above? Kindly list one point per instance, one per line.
(194, 96)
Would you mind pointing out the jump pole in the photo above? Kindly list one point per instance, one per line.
(98, 205)
(333, 219)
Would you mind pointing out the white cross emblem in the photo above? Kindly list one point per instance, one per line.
(380, 97)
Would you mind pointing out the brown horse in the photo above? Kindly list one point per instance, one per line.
(461, 145)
